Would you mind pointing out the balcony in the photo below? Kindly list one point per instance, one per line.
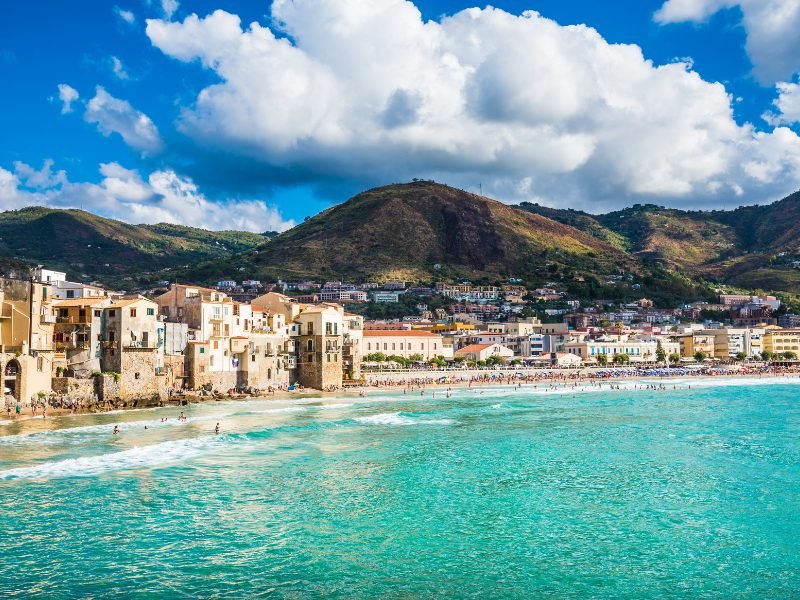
(48, 319)
(109, 343)
(72, 320)
(146, 344)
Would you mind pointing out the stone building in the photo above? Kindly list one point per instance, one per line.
(134, 348)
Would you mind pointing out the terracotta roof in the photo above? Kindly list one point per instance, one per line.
(398, 333)
(78, 302)
(128, 302)
(474, 348)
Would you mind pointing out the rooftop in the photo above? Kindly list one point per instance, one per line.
(398, 333)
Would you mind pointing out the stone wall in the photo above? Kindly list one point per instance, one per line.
(73, 387)
(138, 377)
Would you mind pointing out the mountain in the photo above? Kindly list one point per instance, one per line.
(750, 247)
(424, 231)
(90, 247)
(402, 231)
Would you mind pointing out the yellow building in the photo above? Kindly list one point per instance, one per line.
(26, 338)
(779, 341)
(694, 342)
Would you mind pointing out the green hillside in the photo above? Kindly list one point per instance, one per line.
(95, 248)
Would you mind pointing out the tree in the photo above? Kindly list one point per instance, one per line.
(700, 356)
(602, 360)
(767, 356)
(674, 358)
(661, 354)
(416, 357)
(621, 359)
(741, 356)
(790, 355)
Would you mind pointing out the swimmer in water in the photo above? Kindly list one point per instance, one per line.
(216, 429)
(116, 429)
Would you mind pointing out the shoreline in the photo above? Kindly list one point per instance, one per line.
(437, 381)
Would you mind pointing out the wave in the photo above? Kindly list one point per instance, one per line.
(136, 458)
(398, 419)
(329, 406)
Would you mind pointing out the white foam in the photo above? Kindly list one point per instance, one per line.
(398, 419)
(136, 458)
(285, 409)
(327, 406)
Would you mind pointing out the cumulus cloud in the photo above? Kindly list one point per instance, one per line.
(773, 43)
(164, 197)
(367, 90)
(112, 115)
(67, 94)
(787, 104)
(125, 15)
(118, 69)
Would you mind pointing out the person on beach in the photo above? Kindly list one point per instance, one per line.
(216, 429)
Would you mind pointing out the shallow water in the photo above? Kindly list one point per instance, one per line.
(490, 493)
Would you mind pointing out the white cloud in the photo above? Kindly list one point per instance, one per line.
(113, 115)
(118, 68)
(169, 7)
(42, 179)
(67, 94)
(365, 89)
(125, 15)
(787, 104)
(773, 43)
(164, 197)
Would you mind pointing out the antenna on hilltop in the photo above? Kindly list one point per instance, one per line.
(480, 187)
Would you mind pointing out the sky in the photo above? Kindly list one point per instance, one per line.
(255, 114)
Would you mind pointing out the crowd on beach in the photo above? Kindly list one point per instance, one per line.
(565, 376)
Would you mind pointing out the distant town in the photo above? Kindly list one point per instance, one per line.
(66, 338)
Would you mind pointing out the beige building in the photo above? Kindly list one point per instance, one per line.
(401, 342)
(476, 352)
(26, 338)
(326, 341)
(77, 334)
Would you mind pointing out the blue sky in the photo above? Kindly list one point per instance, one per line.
(165, 116)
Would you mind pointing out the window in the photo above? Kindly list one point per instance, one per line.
(202, 350)
(310, 345)
(44, 293)
(97, 313)
(211, 360)
(252, 358)
(151, 312)
(63, 313)
(40, 364)
(310, 329)
(216, 344)
(393, 345)
(133, 312)
(369, 346)
(112, 313)
(136, 375)
(70, 293)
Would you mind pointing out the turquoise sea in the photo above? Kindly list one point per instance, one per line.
(492, 493)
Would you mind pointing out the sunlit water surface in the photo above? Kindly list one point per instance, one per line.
(490, 493)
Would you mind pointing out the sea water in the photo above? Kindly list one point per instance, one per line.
(491, 493)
